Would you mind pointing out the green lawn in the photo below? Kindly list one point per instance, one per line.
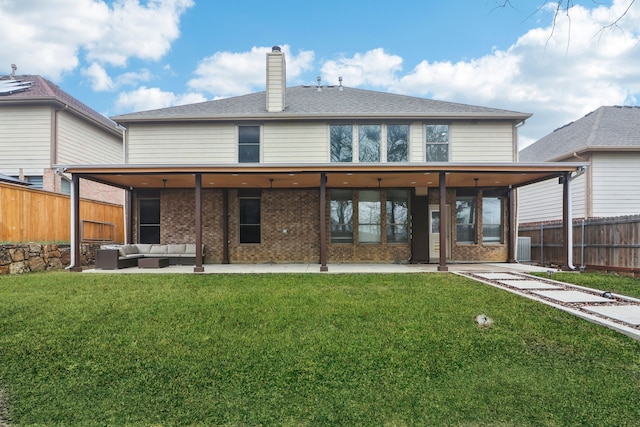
(316, 350)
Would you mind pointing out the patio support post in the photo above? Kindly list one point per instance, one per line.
(513, 226)
(198, 267)
(128, 220)
(443, 223)
(323, 222)
(76, 261)
(225, 226)
(566, 222)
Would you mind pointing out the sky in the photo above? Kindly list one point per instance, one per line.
(121, 56)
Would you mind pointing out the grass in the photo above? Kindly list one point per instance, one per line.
(628, 286)
(320, 350)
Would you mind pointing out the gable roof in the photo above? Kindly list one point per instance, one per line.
(307, 102)
(608, 128)
(42, 90)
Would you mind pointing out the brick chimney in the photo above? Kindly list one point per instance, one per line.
(276, 80)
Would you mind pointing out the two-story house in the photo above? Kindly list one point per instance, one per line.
(41, 125)
(324, 174)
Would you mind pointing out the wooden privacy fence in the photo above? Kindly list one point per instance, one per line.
(29, 215)
(598, 243)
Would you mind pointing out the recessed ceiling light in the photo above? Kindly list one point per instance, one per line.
(295, 183)
(345, 182)
(413, 182)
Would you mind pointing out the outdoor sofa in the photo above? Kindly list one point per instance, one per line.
(112, 257)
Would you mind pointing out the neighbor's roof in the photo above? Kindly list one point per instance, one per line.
(42, 90)
(307, 102)
(11, 180)
(608, 128)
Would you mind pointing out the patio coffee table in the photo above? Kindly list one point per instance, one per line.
(153, 262)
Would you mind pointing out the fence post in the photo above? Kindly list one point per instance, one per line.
(541, 244)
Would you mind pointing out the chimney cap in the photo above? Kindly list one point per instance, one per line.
(276, 49)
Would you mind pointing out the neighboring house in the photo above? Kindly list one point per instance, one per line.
(324, 174)
(609, 140)
(41, 125)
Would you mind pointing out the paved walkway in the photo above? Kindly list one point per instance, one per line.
(617, 312)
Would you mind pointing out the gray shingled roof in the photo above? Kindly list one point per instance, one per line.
(330, 102)
(607, 128)
(44, 90)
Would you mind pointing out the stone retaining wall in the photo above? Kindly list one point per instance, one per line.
(22, 258)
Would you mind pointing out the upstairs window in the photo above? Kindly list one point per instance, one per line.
(249, 144)
(437, 147)
(369, 143)
(397, 143)
(341, 143)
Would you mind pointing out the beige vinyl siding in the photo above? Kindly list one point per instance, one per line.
(82, 143)
(295, 143)
(417, 142)
(183, 143)
(25, 139)
(543, 201)
(481, 142)
(616, 184)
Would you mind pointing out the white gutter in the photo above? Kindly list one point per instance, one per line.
(570, 265)
(73, 228)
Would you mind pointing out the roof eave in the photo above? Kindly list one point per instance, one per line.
(517, 117)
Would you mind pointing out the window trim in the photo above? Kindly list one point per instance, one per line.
(258, 144)
(428, 143)
(500, 240)
(250, 195)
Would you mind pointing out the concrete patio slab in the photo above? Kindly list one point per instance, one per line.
(624, 313)
(571, 296)
(529, 284)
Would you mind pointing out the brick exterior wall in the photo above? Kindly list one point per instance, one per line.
(290, 228)
(465, 252)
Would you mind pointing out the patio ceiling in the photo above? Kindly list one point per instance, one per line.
(338, 175)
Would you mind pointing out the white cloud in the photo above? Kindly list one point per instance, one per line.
(48, 38)
(136, 30)
(558, 73)
(97, 75)
(145, 98)
(373, 68)
(227, 73)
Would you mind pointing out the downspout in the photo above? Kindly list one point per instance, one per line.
(570, 178)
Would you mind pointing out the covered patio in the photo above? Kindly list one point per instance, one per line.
(321, 177)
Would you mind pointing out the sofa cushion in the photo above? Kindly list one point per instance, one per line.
(128, 250)
(143, 248)
(174, 249)
(190, 248)
(158, 249)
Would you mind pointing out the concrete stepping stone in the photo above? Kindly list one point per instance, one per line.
(625, 313)
(529, 284)
(497, 276)
(571, 296)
